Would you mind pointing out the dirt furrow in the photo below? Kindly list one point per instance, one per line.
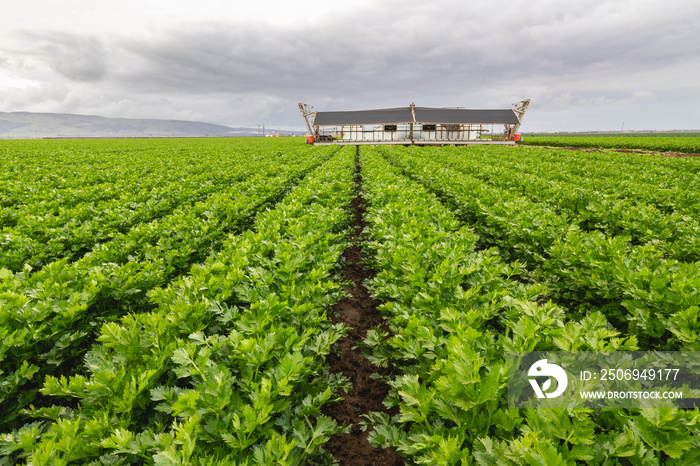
(358, 311)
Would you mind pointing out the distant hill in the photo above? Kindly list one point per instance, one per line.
(52, 125)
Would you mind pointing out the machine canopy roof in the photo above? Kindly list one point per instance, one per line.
(422, 115)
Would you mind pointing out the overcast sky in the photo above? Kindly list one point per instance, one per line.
(586, 65)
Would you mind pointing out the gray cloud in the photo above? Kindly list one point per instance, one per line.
(72, 55)
(583, 58)
(368, 51)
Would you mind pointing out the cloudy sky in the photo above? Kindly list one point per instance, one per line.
(586, 65)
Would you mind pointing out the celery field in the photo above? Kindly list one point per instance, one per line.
(687, 142)
(180, 301)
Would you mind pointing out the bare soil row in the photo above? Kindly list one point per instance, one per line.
(359, 312)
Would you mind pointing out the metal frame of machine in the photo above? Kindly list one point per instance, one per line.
(414, 125)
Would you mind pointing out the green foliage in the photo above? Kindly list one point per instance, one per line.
(678, 142)
(117, 275)
(223, 363)
(642, 286)
(455, 308)
(165, 302)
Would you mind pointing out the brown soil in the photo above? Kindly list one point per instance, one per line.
(358, 311)
(662, 154)
(627, 151)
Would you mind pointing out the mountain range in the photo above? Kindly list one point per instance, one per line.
(63, 125)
